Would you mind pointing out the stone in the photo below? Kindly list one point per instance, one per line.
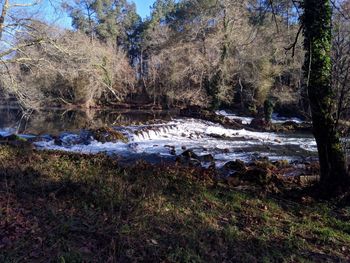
(236, 165)
(207, 158)
(233, 181)
(13, 137)
(106, 134)
(189, 154)
(281, 163)
(257, 175)
(258, 123)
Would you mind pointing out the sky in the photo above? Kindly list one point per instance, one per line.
(143, 7)
(62, 19)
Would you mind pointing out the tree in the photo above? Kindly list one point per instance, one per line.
(71, 70)
(11, 24)
(42, 63)
(111, 21)
(218, 51)
(83, 16)
(341, 60)
(317, 24)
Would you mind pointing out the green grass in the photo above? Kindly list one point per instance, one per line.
(59, 207)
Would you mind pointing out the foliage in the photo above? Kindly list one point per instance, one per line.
(208, 51)
(112, 22)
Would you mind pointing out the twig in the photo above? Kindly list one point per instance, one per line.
(293, 45)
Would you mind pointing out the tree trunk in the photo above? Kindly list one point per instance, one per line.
(317, 22)
(2, 16)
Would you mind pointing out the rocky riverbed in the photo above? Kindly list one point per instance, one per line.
(213, 143)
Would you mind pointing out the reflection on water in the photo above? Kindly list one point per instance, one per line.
(55, 121)
(165, 135)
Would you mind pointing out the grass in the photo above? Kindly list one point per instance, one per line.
(60, 207)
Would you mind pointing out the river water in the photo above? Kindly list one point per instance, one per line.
(155, 134)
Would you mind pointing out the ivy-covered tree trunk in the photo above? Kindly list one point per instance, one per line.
(317, 22)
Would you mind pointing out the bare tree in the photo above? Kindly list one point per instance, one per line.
(218, 49)
(43, 64)
(341, 60)
(67, 69)
(11, 24)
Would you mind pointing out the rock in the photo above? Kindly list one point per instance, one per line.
(195, 162)
(257, 175)
(191, 111)
(188, 157)
(106, 134)
(289, 126)
(277, 140)
(281, 163)
(68, 139)
(12, 138)
(207, 115)
(263, 163)
(85, 137)
(58, 140)
(290, 123)
(258, 123)
(218, 136)
(293, 126)
(308, 179)
(189, 154)
(239, 121)
(188, 161)
(233, 181)
(207, 158)
(45, 138)
(168, 146)
(237, 165)
(17, 141)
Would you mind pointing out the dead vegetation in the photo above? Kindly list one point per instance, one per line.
(67, 69)
(58, 207)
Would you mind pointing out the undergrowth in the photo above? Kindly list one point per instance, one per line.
(60, 207)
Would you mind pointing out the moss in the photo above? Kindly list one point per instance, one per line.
(281, 163)
(317, 24)
(268, 109)
(106, 134)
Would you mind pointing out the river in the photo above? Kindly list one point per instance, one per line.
(162, 134)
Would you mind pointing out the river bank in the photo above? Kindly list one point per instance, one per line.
(65, 207)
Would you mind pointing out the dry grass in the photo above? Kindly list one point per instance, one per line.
(58, 207)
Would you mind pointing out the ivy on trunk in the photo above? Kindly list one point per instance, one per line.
(317, 24)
